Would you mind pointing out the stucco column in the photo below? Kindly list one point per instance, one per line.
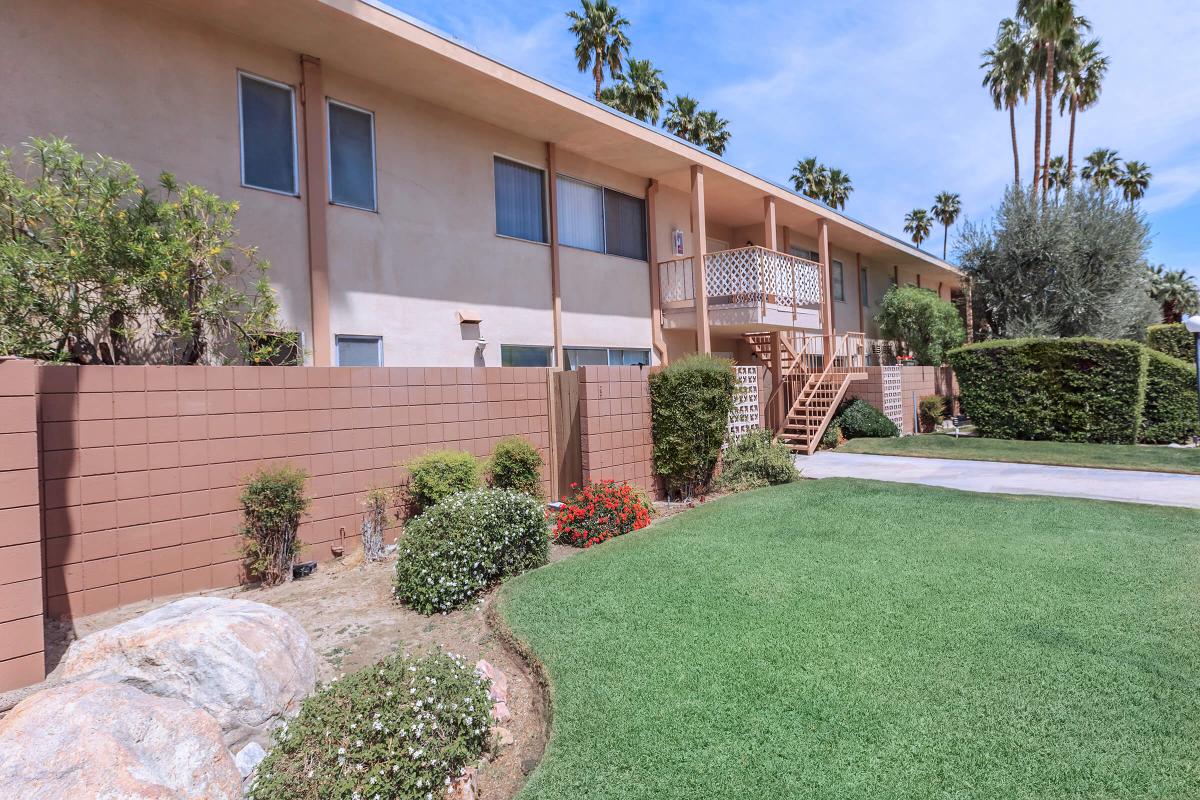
(312, 105)
(862, 323)
(699, 249)
(656, 334)
(826, 288)
(770, 232)
(555, 272)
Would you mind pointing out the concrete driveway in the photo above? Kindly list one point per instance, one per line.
(1124, 486)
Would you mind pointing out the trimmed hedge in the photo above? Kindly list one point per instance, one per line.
(1173, 339)
(1062, 390)
(858, 419)
(1170, 414)
(690, 401)
(435, 476)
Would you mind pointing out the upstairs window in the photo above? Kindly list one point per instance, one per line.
(520, 201)
(267, 113)
(603, 220)
(351, 156)
(839, 281)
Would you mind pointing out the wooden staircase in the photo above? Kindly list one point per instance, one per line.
(813, 386)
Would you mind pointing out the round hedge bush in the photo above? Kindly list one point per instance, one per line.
(398, 729)
(435, 476)
(757, 459)
(465, 544)
(858, 419)
(516, 464)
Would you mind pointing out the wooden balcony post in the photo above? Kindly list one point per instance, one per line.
(770, 232)
(862, 323)
(777, 413)
(826, 290)
(699, 249)
(656, 331)
(316, 193)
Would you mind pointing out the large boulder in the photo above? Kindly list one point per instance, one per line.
(247, 664)
(92, 739)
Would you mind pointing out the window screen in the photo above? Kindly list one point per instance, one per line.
(580, 215)
(519, 355)
(577, 357)
(359, 351)
(625, 225)
(268, 135)
(839, 281)
(351, 156)
(520, 205)
(629, 358)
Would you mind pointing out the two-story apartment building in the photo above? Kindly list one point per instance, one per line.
(423, 204)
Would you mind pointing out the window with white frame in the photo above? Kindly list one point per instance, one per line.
(576, 357)
(359, 351)
(351, 156)
(838, 277)
(599, 219)
(521, 355)
(520, 200)
(267, 128)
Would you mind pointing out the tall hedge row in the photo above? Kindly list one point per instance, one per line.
(690, 401)
(1065, 390)
(1173, 339)
(1170, 414)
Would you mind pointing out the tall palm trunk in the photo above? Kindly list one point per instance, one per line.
(1071, 147)
(945, 240)
(1049, 117)
(598, 72)
(1037, 133)
(1012, 124)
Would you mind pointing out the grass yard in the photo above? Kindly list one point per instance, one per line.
(1065, 454)
(843, 639)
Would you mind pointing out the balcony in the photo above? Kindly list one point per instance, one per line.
(748, 289)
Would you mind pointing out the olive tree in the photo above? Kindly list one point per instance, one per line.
(926, 325)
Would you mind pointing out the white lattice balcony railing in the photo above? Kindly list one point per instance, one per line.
(745, 276)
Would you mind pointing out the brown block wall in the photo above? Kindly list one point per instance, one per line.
(614, 417)
(142, 466)
(22, 657)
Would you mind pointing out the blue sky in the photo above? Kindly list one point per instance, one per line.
(888, 91)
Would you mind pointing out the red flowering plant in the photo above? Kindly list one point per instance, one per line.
(600, 511)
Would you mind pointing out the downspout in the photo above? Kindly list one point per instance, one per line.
(312, 101)
(656, 334)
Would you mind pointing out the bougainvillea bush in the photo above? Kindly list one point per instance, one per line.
(398, 729)
(599, 512)
(465, 544)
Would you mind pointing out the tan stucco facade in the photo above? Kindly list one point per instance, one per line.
(156, 84)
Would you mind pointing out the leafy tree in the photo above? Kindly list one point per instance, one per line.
(95, 267)
(946, 208)
(638, 92)
(927, 325)
(1175, 291)
(918, 224)
(702, 128)
(1006, 76)
(600, 39)
(1102, 168)
(1072, 266)
(1084, 69)
(1134, 180)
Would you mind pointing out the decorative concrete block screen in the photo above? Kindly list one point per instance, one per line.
(896, 390)
(22, 660)
(614, 411)
(746, 415)
(142, 466)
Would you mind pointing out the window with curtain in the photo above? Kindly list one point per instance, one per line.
(839, 281)
(520, 355)
(580, 214)
(520, 201)
(624, 225)
(351, 156)
(359, 351)
(268, 133)
(864, 289)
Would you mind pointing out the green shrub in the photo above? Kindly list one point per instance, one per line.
(928, 326)
(1170, 414)
(599, 511)
(1066, 390)
(465, 544)
(1173, 339)
(858, 419)
(832, 436)
(757, 459)
(932, 410)
(690, 404)
(397, 729)
(272, 503)
(516, 464)
(435, 476)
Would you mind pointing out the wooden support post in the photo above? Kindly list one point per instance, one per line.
(862, 324)
(316, 201)
(770, 232)
(826, 291)
(555, 272)
(656, 333)
(777, 380)
(699, 249)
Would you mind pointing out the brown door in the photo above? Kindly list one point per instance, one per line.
(568, 456)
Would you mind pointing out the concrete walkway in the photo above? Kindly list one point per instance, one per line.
(1125, 486)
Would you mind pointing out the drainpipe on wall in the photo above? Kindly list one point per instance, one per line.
(312, 107)
(555, 272)
(656, 334)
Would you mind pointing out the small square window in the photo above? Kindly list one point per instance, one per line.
(359, 351)
(520, 355)
(267, 116)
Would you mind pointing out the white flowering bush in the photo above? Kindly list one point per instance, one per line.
(465, 544)
(398, 730)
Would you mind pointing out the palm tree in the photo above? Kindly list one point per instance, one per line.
(1134, 180)
(715, 134)
(1006, 76)
(946, 208)
(1101, 168)
(601, 40)
(1083, 76)
(838, 189)
(638, 92)
(1057, 175)
(811, 178)
(919, 224)
(1052, 23)
(1175, 290)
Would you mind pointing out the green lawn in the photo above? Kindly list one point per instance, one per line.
(847, 639)
(1067, 454)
